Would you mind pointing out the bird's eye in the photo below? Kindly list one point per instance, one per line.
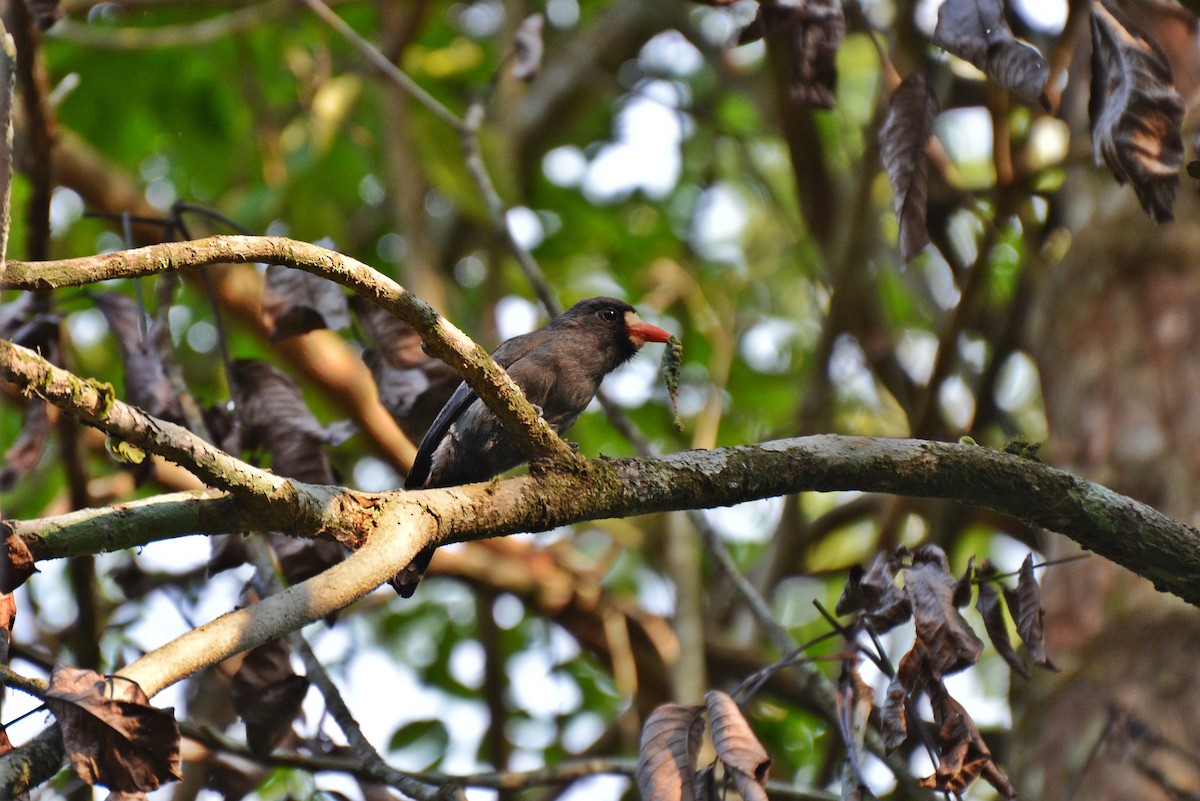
(609, 314)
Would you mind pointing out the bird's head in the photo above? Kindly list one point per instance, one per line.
(619, 318)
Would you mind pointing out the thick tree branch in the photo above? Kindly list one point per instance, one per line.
(441, 337)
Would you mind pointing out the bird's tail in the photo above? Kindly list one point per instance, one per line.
(405, 582)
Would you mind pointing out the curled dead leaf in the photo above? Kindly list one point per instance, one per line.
(902, 140)
(737, 746)
(963, 754)
(17, 563)
(274, 416)
(948, 641)
(666, 765)
(989, 607)
(295, 302)
(146, 382)
(413, 386)
(976, 30)
(1030, 615)
(111, 733)
(1137, 115)
(875, 593)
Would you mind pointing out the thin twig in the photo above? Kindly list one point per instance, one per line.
(472, 123)
(381, 63)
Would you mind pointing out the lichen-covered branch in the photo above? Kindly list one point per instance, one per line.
(442, 338)
(96, 403)
(133, 524)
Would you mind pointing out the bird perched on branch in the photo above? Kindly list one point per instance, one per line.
(559, 368)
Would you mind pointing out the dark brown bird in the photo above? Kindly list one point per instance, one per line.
(559, 368)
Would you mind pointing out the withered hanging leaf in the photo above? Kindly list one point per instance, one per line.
(8, 616)
(413, 386)
(268, 695)
(811, 31)
(893, 720)
(910, 673)
(528, 47)
(975, 30)
(274, 416)
(949, 643)
(666, 764)
(1030, 615)
(962, 589)
(964, 756)
(26, 452)
(295, 302)
(1136, 113)
(112, 734)
(146, 381)
(875, 593)
(18, 563)
(988, 604)
(855, 700)
(737, 746)
(902, 140)
(706, 784)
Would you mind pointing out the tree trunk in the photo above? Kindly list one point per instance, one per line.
(1116, 334)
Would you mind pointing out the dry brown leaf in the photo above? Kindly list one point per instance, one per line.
(274, 416)
(902, 140)
(8, 615)
(910, 673)
(988, 604)
(949, 643)
(413, 386)
(295, 302)
(964, 756)
(146, 381)
(875, 593)
(1136, 113)
(268, 694)
(666, 768)
(962, 590)
(111, 733)
(737, 746)
(976, 30)
(1030, 614)
(17, 563)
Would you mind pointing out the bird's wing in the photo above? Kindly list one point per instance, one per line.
(505, 355)
(423, 461)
